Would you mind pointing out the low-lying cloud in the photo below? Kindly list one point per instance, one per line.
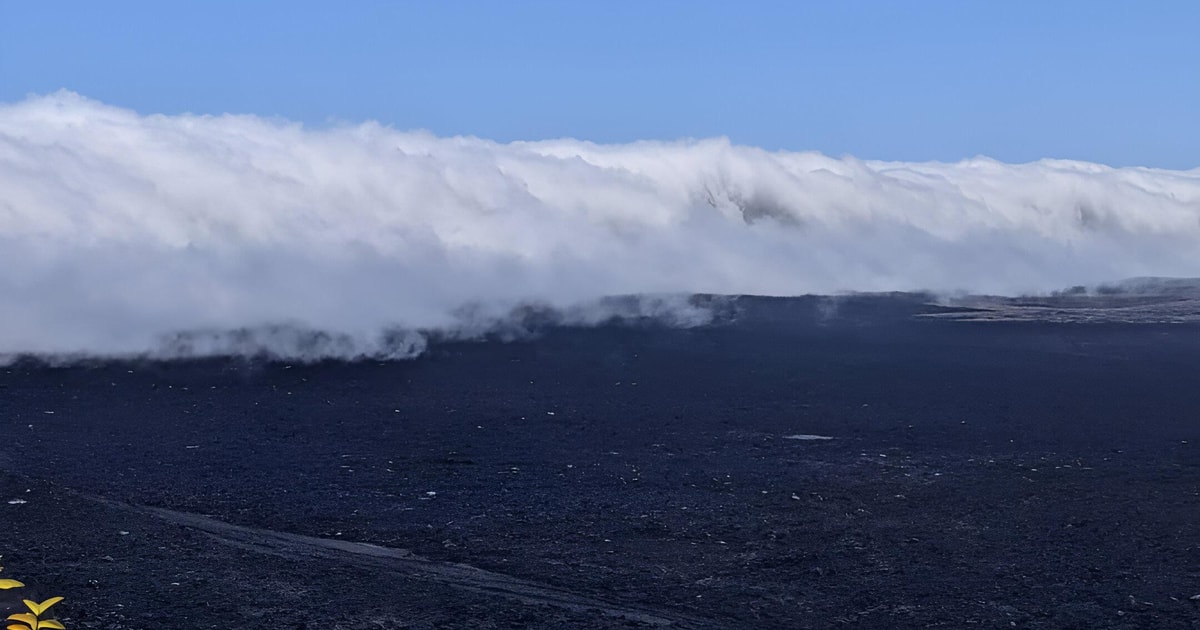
(125, 233)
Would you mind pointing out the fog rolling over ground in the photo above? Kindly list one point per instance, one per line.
(127, 233)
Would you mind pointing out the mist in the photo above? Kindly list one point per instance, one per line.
(131, 234)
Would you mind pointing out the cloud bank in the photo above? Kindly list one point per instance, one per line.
(125, 233)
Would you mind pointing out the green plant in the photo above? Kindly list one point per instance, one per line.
(31, 620)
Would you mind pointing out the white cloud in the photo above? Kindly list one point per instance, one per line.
(118, 228)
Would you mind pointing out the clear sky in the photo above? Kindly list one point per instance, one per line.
(1112, 82)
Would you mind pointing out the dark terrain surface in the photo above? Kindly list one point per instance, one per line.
(989, 474)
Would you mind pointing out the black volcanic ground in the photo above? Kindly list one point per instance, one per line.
(993, 474)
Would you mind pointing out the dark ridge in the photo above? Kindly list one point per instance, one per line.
(1034, 473)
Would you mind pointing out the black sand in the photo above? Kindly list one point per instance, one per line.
(982, 474)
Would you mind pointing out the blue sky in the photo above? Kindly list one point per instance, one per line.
(1112, 82)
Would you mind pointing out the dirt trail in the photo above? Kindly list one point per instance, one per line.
(375, 558)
